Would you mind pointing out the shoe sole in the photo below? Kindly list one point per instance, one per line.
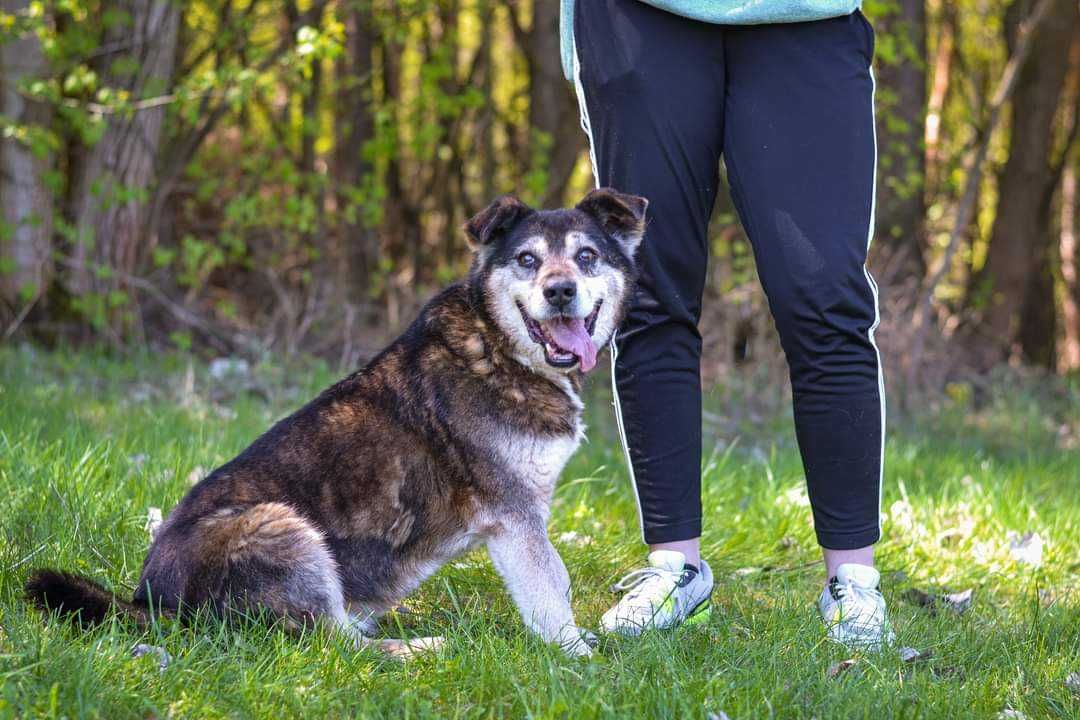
(856, 642)
(698, 616)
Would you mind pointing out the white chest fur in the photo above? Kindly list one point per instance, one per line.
(538, 460)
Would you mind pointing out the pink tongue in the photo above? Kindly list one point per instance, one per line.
(570, 334)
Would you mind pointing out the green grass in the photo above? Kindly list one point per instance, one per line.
(87, 444)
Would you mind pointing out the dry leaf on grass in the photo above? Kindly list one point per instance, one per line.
(837, 669)
(741, 631)
(163, 658)
(911, 655)
(920, 598)
(957, 602)
(947, 671)
(960, 601)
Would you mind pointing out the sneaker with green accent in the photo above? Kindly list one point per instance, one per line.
(854, 610)
(662, 595)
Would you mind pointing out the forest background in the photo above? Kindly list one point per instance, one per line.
(266, 178)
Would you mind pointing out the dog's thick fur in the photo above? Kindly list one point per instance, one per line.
(453, 437)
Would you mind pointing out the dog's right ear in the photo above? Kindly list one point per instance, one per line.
(495, 221)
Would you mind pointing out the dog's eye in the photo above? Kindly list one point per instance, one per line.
(527, 260)
(587, 256)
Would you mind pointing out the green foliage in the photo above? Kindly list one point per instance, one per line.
(260, 193)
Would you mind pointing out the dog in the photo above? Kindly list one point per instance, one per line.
(453, 437)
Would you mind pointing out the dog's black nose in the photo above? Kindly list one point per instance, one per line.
(560, 293)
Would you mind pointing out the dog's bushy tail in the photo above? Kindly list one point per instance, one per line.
(78, 598)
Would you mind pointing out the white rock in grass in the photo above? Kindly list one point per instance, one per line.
(1026, 549)
(718, 715)
(163, 657)
(1010, 714)
(1073, 683)
(153, 522)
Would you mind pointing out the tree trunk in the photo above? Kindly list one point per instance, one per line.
(354, 127)
(401, 216)
(1011, 283)
(26, 242)
(1070, 271)
(1036, 333)
(488, 122)
(901, 206)
(554, 129)
(113, 182)
(1069, 356)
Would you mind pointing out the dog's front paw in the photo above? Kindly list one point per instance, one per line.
(577, 642)
(590, 639)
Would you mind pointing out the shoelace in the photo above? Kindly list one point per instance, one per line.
(867, 601)
(643, 587)
(861, 594)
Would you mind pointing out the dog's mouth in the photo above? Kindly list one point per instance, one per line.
(566, 340)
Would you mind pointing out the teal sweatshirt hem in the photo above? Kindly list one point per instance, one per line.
(720, 12)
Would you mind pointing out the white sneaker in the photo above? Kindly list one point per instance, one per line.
(662, 595)
(854, 610)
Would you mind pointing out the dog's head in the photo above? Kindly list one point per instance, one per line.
(557, 282)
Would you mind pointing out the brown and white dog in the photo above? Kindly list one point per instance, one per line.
(453, 437)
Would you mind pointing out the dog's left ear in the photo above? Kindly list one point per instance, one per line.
(495, 221)
(621, 215)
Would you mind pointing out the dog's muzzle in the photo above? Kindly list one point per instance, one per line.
(566, 340)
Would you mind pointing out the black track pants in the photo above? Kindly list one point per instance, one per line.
(790, 109)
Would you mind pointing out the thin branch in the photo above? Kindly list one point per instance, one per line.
(21, 316)
(119, 46)
(137, 106)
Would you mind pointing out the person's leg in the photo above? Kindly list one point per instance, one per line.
(800, 151)
(835, 558)
(651, 84)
